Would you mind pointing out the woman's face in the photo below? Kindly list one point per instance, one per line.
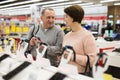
(68, 20)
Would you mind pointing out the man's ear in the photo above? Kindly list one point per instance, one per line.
(41, 17)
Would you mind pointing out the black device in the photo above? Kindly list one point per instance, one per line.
(58, 76)
(16, 70)
(4, 57)
(116, 50)
(108, 38)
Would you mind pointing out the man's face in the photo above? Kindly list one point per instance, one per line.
(48, 19)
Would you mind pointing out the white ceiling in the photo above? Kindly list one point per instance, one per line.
(8, 7)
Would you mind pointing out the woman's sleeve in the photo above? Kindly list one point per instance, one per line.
(89, 46)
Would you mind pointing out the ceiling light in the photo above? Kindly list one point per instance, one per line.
(117, 4)
(34, 4)
(28, 6)
(86, 4)
(25, 2)
(15, 9)
(93, 5)
(59, 4)
(24, 6)
(50, 2)
(64, 6)
(104, 1)
(7, 1)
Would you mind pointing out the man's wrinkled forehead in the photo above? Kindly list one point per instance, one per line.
(46, 9)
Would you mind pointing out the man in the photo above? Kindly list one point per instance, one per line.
(50, 34)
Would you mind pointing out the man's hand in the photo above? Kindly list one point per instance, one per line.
(35, 41)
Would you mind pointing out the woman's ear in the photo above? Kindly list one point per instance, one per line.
(72, 19)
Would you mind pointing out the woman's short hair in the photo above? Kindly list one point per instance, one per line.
(76, 12)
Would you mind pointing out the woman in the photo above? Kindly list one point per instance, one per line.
(79, 38)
